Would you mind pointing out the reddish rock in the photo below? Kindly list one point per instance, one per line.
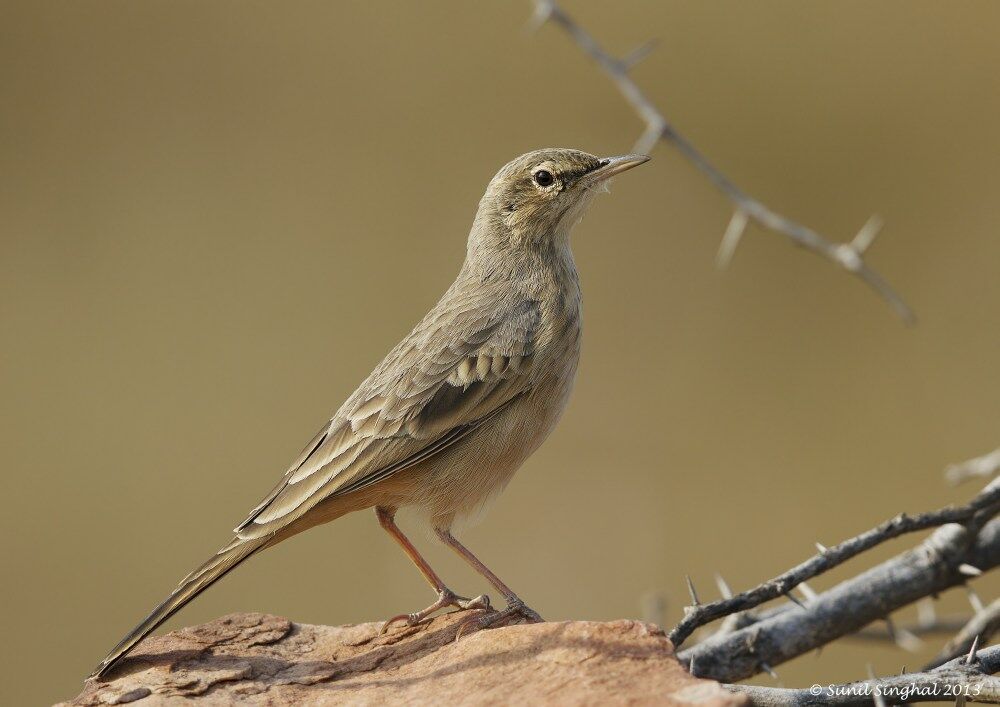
(257, 659)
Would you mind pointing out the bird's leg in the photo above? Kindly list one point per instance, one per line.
(515, 606)
(446, 597)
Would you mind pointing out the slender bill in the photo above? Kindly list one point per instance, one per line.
(610, 166)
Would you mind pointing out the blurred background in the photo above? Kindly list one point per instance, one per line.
(210, 211)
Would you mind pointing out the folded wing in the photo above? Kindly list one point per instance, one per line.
(460, 366)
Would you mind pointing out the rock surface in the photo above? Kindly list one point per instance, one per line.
(257, 659)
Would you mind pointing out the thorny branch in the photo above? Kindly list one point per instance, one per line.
(965, 544)
(942, 561)
(981, 627)
(986, 504)
(848, 256)
(909, 636)
(969, 676)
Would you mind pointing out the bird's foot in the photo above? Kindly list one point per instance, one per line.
(446, 597)
(515, 609)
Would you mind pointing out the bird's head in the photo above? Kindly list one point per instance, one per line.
(541, 195)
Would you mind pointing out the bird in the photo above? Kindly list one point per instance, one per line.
(445, 420)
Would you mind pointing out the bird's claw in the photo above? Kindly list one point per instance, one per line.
(411, 620)
(445, 598)
(515, 609)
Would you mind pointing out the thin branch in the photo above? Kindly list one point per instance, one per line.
(945, 625)
(848, 256)
(926, 570)
(986, 466)
(980, 627)
(987, 503)
(971, 679)
(907, 636)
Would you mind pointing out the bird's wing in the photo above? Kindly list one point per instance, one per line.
(460, 366)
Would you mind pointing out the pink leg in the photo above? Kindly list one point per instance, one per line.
(515, 606)
(446, 597)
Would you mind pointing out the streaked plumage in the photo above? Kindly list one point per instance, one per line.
(455, 408)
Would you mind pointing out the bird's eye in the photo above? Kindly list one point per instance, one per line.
(544, 178)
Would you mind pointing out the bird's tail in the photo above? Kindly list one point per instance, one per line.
(191, 586)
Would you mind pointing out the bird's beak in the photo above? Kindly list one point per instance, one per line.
(610, 166)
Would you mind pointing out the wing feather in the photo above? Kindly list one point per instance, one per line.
(458, 368)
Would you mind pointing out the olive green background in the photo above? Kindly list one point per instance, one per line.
(216, 217)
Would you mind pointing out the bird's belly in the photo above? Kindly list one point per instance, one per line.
(458, 484)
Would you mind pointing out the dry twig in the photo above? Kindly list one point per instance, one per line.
(980, 627)
(928, 623)
(986, 503)
(968, 676)
(926, 570)
(848, 256)
(908, 636)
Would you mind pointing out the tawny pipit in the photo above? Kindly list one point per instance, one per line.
(446, 419)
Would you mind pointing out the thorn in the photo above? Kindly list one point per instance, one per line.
(987, 465)
(864, 238)
(926, 613)
(692, 592)
(647, 141)
(972, 651)
(955, 474)
(848, 257)
(731, 238)
(909, 642)
(969, 570)
(876, 692)
(822, 548)
(769, 670)
(724, 589)
(808, 592)
(639, 53)
(903, 638)
(974, 600)
(541, 15)
(728, 625)
(879, 700)
(890, 627)
(792, 598)
(902, 671)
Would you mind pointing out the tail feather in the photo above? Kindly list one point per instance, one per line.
(191, 586)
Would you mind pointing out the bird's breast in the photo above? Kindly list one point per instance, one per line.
(557, 358)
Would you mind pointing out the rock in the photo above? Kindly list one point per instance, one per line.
(257, 659)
